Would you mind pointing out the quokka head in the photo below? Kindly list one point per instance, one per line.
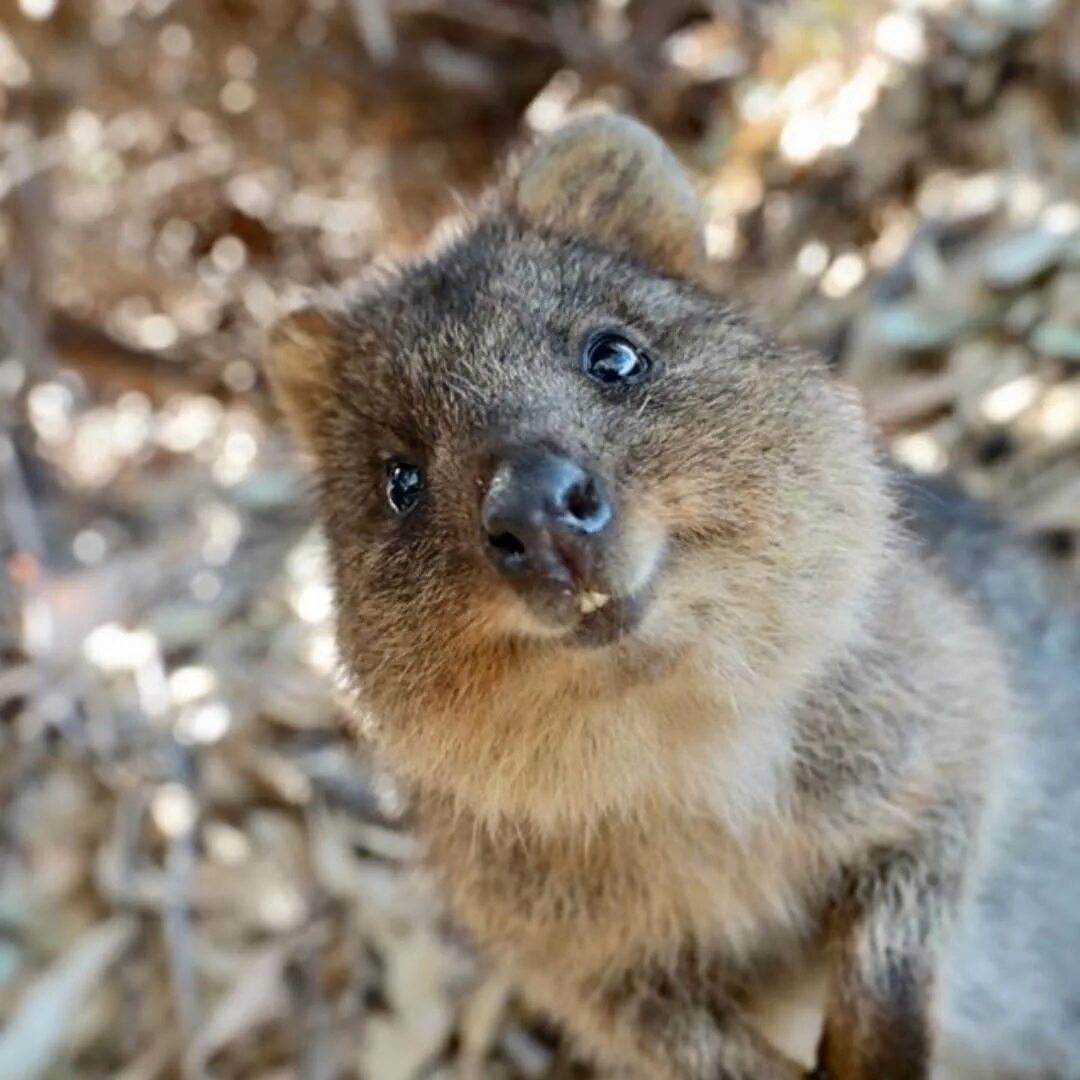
(547, 447)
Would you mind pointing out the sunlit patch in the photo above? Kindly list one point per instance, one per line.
(237, 96)
(549, 108)
(921, 453)
(307, 560)
(225, 844)
(188, 422)
(1062, 218)
(237, 456)
(204, 723)
(901, 36)
(895, 236)
(1059, 413)
(1006, 402)
(133, 423)
(190, 683)
(846, 274)
(946, 194)
(722, 238)
(1026, 198)
(158, 332)
(824, 110)
(175, 40)
(812, 259)
(174, 810)
(85, 131)
(261, 301)
(280, 906)
(50, 405)
(706, 51)
(229, 254)
(111, 647)
(38, 10)
(314, 602)
(321, 652)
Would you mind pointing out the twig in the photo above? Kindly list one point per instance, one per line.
(316, 1056)
(18, 511)
(19, 517)
(176, 922)
(24, 314)
(497, 19)
(106, 363)
(376, 30)
(153, 1061)
(914, 401)
(36, 1031)
(128, 817)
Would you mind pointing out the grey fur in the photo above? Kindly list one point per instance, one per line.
(1009, 1000)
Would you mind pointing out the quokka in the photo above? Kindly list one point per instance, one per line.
(691, 693)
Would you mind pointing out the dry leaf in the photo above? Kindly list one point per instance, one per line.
(35, 1034)
(257, 996)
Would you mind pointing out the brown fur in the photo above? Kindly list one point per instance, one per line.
(781, 759)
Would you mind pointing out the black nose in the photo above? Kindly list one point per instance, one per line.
(544, 515)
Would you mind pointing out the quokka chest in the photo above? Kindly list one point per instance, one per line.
(588, 902)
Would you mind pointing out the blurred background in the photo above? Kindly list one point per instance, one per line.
(197, 878)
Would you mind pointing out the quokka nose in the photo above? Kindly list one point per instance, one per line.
(543, 515)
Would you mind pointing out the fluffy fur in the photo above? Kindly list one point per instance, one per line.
(780, 761)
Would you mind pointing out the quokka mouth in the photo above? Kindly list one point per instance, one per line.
(589, 602)
(604, 618)
(594, 612)
(606, 622)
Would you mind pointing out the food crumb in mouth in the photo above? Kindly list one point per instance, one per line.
(588, 602)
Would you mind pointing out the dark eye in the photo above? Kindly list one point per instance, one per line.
(404, 483)
(609, 358)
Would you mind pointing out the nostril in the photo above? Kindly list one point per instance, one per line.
(507, 544)
(586, 507)
(583, 500)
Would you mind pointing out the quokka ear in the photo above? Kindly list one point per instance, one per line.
(302, 351)
(611, 180)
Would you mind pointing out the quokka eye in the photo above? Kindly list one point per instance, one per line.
(610, 358)
(404, 483)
